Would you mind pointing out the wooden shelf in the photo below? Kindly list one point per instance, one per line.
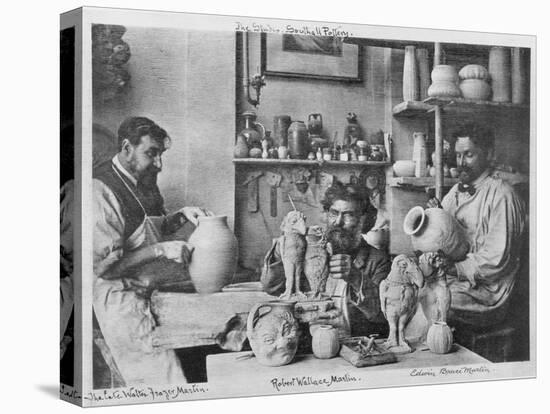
(409, 109)
(419, 182)
(465, 104)
(277, 162)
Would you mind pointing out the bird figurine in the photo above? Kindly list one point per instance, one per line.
(435, 296)
(398, 299)
(292, 249)
(317, 256)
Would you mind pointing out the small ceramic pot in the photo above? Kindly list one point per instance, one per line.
(324, 341)
(404, 168)
(475, 89)
(282, 152)
(440, 338)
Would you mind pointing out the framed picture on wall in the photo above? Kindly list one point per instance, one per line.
(316, 57)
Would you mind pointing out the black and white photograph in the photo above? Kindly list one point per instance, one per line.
(270, 206)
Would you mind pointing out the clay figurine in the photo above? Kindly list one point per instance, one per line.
(435, 296)
(398, 299)
(292, 246)
(316, 260)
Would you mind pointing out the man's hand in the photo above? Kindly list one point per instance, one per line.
(193, 213)
(178, 250)
(340, 266)
(434, 203)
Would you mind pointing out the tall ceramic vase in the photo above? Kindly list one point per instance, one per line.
(272, 331)
(434, 229)
(214, 258)
(499, 69)
(420, 154)
(423, 62)
(519, 76)
(410, 75)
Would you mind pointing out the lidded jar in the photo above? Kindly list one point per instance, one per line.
(298, 140)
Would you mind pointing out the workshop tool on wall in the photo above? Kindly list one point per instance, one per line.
(253, 191)
(274, 180)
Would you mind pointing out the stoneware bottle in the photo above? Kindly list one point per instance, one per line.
(499, 70)
(434, 229)
(410, 75)
(273, 332)
(440, 338)
(214, 258)
(324, 341)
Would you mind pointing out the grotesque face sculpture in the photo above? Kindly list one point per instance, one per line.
(275, 338)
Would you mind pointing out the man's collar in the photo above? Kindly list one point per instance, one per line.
(479, 180)
(123, 170)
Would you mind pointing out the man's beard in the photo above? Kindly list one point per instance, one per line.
(344, 241)
(464, 174)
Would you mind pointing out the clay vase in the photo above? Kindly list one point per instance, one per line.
(420, 154)
(440, 338)
(324, 341)
(280, 130)
(241, 147)
(499, 69)
(298, 141)
(519, 76)
(410, 75)
(422, 61)
(214, 258)
(434, 229)
(272, 332)
(315, 124)
(475, 89)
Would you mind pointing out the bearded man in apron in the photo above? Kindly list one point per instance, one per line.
(124, 240)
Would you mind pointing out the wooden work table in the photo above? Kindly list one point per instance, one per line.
(239, 370)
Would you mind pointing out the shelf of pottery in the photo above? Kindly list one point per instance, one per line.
(502, 87)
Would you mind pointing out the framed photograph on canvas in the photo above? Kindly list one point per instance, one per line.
(316, 57)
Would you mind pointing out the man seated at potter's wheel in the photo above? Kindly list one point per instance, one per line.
(349, 215)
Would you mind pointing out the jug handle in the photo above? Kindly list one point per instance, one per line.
(252, 317)
(263, 129)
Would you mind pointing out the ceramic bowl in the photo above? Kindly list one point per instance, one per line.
(475, 89)
(404, 168)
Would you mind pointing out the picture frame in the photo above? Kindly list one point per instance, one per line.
(313, 57)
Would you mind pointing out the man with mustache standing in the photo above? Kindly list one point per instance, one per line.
(494, 218)
(124, 241)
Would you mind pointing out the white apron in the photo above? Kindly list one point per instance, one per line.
(127, 325)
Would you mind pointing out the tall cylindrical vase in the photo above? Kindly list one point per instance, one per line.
(423, 72)
(519, 76)
(214, 258)
(499, 69)
(410, 75)
(420, 154)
